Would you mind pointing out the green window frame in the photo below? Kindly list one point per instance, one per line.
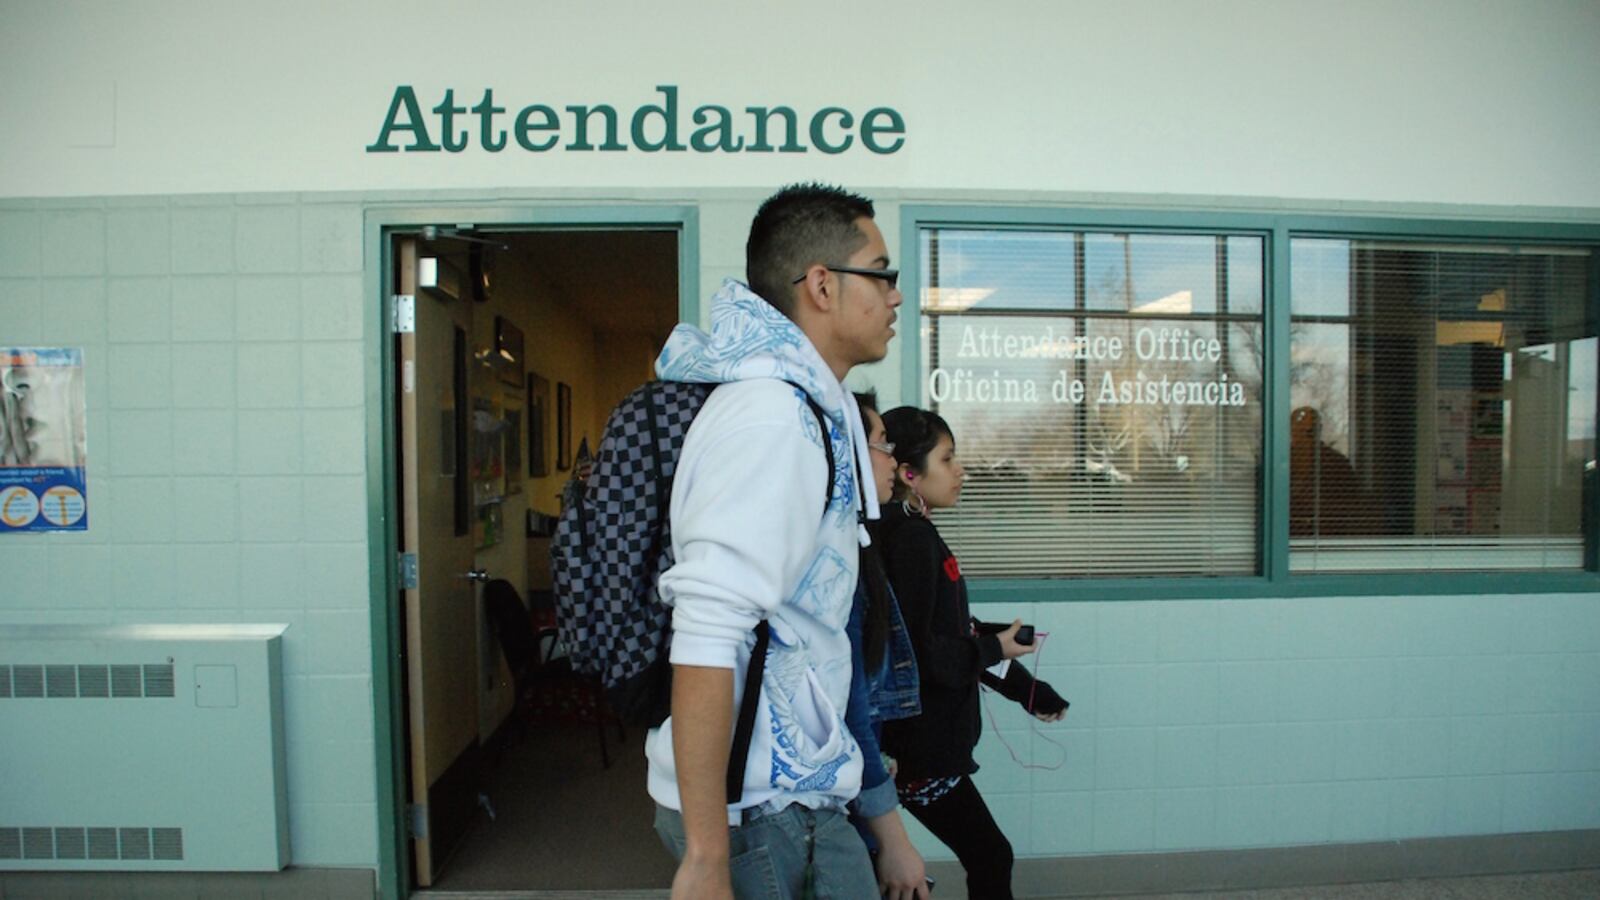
(1274, 578)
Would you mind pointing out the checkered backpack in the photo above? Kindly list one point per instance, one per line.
(612, 543)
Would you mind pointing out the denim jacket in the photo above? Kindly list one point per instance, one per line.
(889, 693)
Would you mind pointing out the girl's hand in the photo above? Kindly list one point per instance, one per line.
(1009, 648)
(1047, 705)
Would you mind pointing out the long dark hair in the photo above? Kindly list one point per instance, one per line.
(875, 619)
(914, 433)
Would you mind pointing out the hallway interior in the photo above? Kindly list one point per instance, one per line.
(562, 822)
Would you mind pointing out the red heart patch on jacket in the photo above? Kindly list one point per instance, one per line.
(952, 569)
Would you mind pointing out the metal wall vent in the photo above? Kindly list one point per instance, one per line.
(167, 843)
(72, 843)
(158, 681)
(27, 681)
(60, 681)
(102, 843)
(97, 680)
(78, 842)
(94, 681)
(126, 681)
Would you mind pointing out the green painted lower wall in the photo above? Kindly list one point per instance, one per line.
(1225, 724)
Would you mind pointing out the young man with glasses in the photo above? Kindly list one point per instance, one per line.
(758, 533)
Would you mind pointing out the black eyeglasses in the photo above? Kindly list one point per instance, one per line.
(892, 276)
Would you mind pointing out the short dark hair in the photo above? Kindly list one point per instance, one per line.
(799, 226)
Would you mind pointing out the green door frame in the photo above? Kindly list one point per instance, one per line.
(380, 223)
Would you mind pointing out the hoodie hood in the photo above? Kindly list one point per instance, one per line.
(750, 338)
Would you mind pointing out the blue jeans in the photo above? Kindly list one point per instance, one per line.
(788, 855)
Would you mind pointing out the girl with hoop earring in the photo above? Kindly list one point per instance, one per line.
(934, 750)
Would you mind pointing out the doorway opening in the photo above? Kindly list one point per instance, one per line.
(521, 341)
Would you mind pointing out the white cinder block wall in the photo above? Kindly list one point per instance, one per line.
(1224, 724)
(223, 345)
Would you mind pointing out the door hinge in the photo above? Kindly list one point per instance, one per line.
(417, 820)
(408, 571)
(404, 314)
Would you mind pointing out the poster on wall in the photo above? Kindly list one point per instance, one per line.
(43, 451)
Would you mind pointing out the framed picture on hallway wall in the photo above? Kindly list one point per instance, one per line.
(511, 414)
(538, 413)
(563, 426)
(507, 358)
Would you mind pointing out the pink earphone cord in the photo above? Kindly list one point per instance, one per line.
(1033, 726)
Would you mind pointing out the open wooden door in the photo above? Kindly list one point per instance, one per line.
(436, 540)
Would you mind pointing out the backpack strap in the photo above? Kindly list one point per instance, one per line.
(744, 730)
(827, 444)
(662, 488)
(742, 733)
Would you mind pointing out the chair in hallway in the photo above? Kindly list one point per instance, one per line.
(545, 686)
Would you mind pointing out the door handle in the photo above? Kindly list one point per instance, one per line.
(479, 575)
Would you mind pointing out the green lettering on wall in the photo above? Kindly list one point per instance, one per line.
(526, 124)
(870, 130)
(454, 141)
(581, 139)
(404, 97)
(727, 143)
(652, 127)
(820, 119)
(668, 113)
(763, 115)
(490, 140)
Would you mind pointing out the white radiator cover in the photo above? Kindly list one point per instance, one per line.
(142, 748)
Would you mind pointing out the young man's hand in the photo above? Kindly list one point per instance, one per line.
(901, 872)
(702, 723)
(702, 878)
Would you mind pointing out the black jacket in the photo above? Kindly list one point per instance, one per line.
(951, 656)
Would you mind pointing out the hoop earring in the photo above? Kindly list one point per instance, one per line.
(921, 509)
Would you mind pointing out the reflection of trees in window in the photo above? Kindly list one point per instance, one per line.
(1092, 487)
(1319, 377)
(1248, 355)
(1107, 437)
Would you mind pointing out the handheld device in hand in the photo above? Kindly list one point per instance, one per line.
(1024, 634)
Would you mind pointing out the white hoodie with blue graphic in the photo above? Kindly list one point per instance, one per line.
(751, 540)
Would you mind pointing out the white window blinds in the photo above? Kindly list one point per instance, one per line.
(1105, 394)
(1443, 406)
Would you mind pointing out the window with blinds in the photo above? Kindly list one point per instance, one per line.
(1105, 395)
(1443, 405)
